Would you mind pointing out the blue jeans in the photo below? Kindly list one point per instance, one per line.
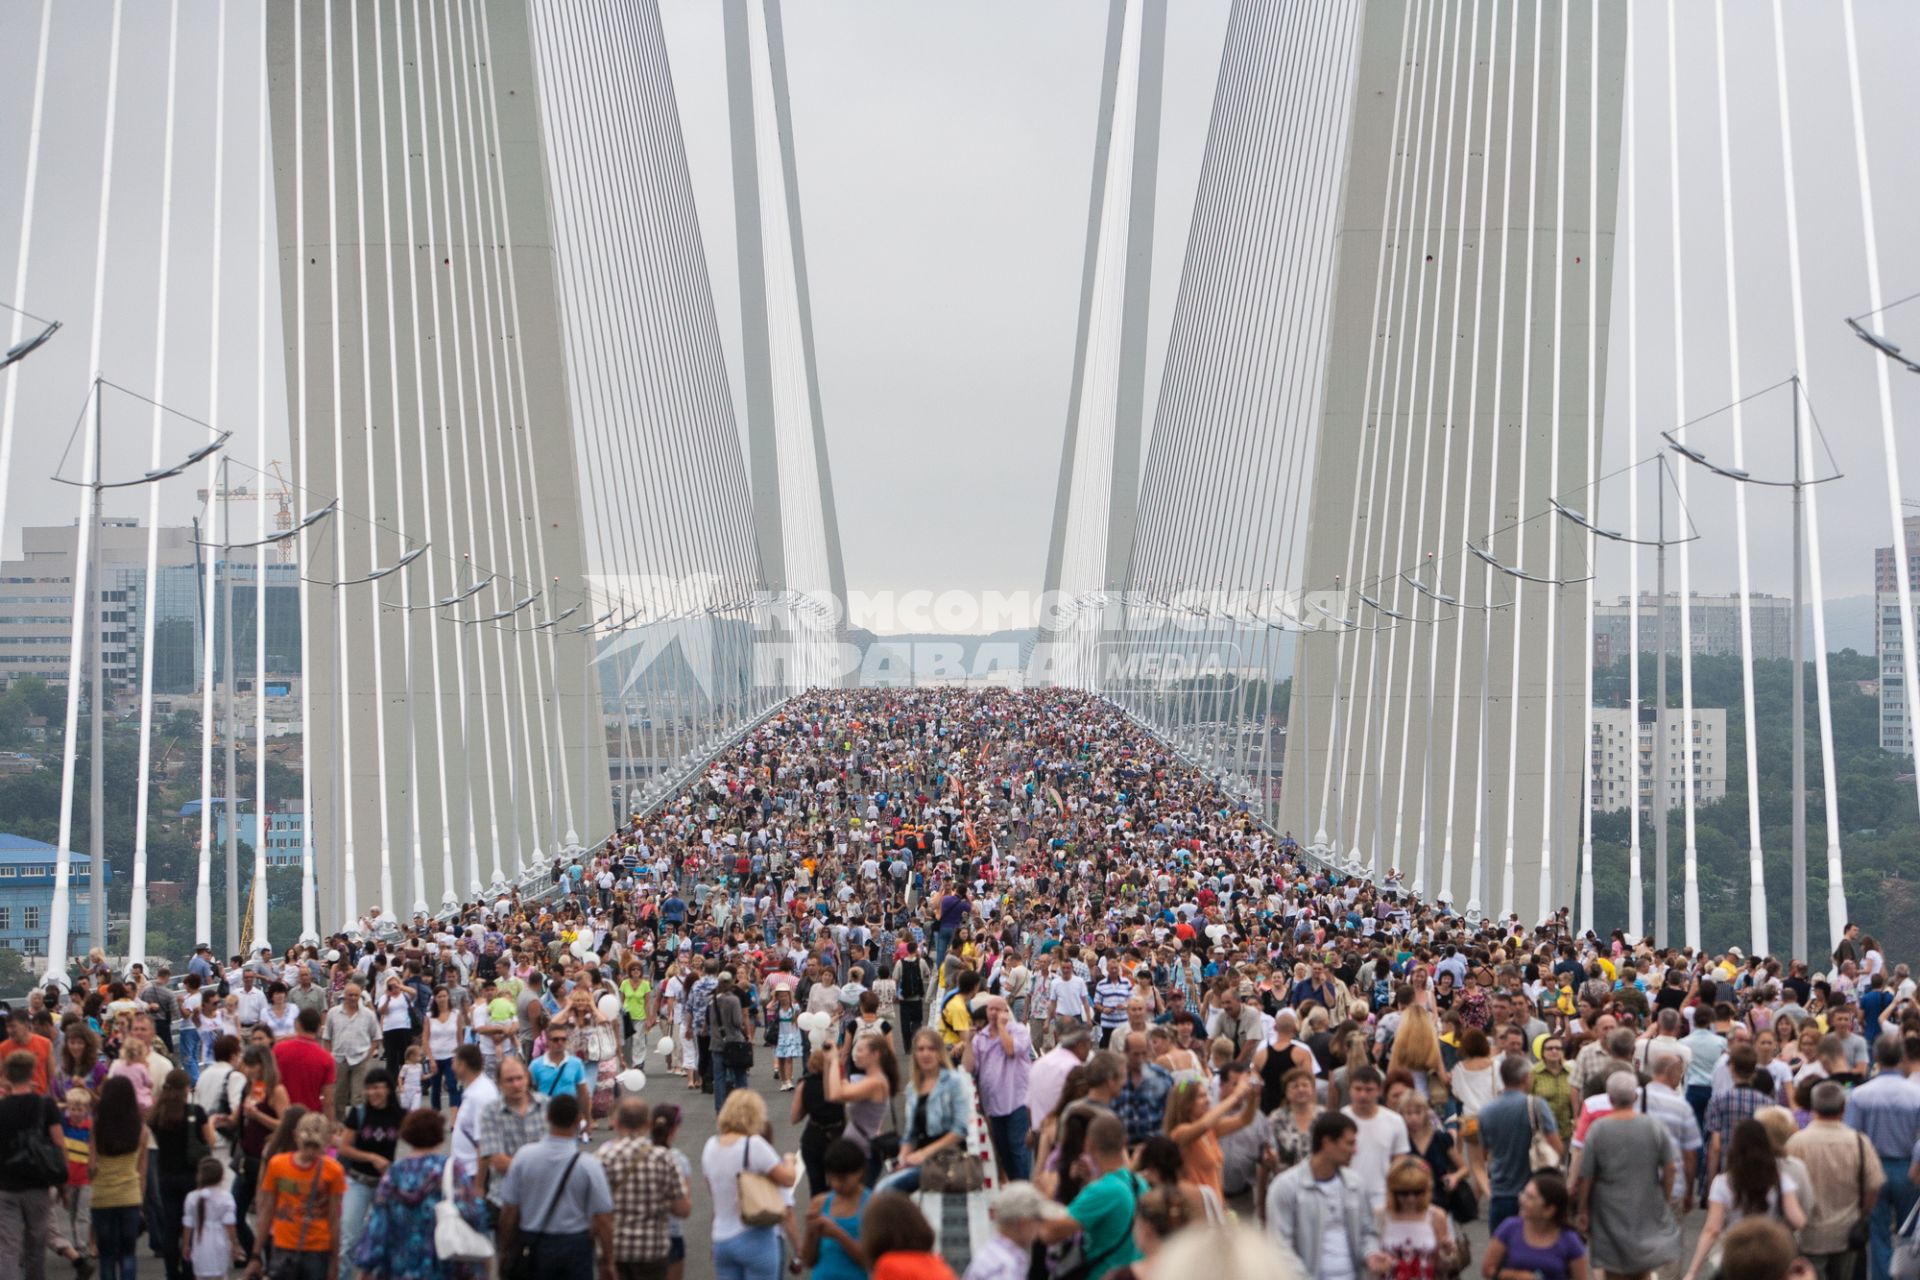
(116, 1234)
(1008, 1134)
(905, 1181)
(942, 939)
(355, 1205)
(190, 1052)
(1499, 1209)
(1699, 1097)
(443, 1074)
(725, 1080)
(1889, 1212)
(754, 1254)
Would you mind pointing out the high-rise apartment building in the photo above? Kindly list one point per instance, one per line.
(36, 608)
(1624, 756)
(1715, 620)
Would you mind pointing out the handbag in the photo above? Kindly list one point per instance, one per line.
(1540, 1153)
(761, 1204)
(1905, 1264)
(454, 1238)
(737, 1055)
(35, 1161)
(951, 1169)
(525, 1263)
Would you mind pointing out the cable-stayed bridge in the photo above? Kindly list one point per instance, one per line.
(1345, 560)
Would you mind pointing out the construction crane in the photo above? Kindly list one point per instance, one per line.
(246, 918)
(283, 518)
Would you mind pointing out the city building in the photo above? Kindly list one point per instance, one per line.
(285, 828)
(1624, 757)
(1715, 620)
(36, 596)
(1896, 725)
(26, 896)
(36, 608)
(1885, 577)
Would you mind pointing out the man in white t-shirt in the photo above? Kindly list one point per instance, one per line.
(1068, 991)
(1383, 1134)
(476, 1092)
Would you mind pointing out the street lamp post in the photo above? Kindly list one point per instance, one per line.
(90, 640)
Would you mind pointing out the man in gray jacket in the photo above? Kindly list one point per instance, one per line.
(1319, 1212)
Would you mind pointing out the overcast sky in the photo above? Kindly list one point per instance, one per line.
(944, 156)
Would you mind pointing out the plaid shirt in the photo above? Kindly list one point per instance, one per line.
(502, 1132)
(1143, 1106)
(1730, 1108)
(700, 1001)
(645, 1181)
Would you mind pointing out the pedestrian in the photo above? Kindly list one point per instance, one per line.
(446, 1030)
(556, 1209)
(1507, 1128)
(1887, 1110)
(649, 1193)
(1538, 1240)
(366, 1144)
(1845, 1180)
(397, 1241)
(516, 1118)
(742, 1251)
(182, 1137)
(1383, 1133)
(25, 1202)
(1017, 1210)
(1318, 1211)
(1414, 1232)
(832, 1247)
(117, 1171)
(207, 1235)
(1002, 1062)
(1753, 1185)
(1626, 1215)
(353, 1034)
(937, 1111)
(866, 1097)
(898, 1241)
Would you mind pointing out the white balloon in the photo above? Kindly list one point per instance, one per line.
(583, 947)
(1216, 931)
(609, 1006)
(633, 1079)
(665, 1047)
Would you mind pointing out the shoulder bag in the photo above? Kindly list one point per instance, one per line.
(285, 1264)
(761, 1204)
(525, 1263)
(1540, 1153)
(454, 1238)
(1862, 1228)
(34, 1161)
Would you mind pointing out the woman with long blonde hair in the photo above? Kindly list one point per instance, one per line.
(1416, 1050)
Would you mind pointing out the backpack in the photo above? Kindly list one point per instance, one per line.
(913, 979)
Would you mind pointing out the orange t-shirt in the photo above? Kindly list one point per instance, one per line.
(42, 1050)
(300, 1223)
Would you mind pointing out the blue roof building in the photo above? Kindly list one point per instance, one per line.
(26, 896)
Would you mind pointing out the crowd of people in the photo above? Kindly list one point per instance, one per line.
(995, 946)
